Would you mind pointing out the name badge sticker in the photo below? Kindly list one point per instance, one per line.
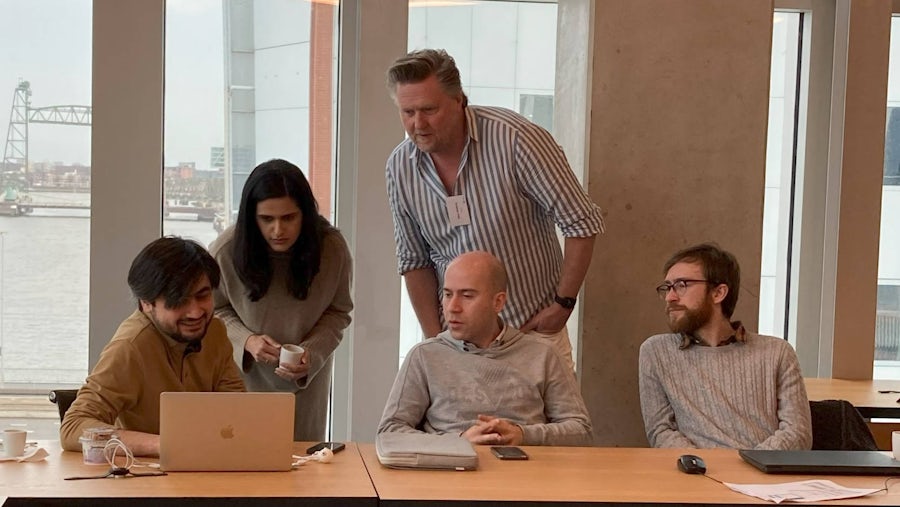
(458, 211)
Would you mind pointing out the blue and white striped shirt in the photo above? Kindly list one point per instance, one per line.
(517, 184)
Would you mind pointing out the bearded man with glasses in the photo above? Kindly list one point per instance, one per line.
(710, 383)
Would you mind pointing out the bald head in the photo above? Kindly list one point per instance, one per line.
(473, 295)
(483, 266)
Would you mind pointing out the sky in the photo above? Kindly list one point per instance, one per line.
(48, 43)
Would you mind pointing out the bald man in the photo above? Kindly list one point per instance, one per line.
(483, 379)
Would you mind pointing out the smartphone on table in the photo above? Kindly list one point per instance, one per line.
(334, 446)
(508, 452)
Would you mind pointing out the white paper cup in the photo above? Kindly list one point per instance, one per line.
(13, 443)
(895, 444)
(291, 354)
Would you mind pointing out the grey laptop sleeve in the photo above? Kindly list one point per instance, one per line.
(424, 450)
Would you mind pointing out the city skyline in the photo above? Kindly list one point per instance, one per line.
(57, 64)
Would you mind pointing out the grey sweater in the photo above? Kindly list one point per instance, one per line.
(444, 384)
(746, 395)
(316, 323)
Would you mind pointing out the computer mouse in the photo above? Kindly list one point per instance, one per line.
(691, 464)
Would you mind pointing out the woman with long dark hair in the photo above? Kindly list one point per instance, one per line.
(285, 280)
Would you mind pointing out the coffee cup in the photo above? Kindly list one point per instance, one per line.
(895, 444)
(291, 354)
(13, 443)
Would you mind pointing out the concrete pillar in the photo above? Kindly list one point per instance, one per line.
(677, 157)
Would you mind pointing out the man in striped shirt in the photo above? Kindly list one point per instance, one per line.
(484, 178)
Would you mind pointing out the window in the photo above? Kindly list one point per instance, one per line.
(193, 175)
(267, 92)
(517, 72)
(45, 193)
(538, 109)
(887, 313)
(887, 324)
(778, 210)
(246, 82)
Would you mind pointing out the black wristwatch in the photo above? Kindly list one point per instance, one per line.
(567, 303)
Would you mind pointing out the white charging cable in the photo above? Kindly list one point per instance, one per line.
(322, 456)
(115, 447)
(112, 448)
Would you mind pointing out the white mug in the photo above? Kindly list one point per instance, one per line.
(291, 354)
(13, 443)
(895, 444)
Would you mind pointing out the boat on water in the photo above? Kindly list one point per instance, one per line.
(195, 210)
(14, 204)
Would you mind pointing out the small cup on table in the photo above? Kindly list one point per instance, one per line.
(13, 443)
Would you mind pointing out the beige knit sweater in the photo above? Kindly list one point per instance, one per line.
(316, 323)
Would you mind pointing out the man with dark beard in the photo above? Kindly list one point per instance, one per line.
(710, 383)
(170, 343)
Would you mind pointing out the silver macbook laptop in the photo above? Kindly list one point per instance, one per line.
(822, 462)
(226, 431)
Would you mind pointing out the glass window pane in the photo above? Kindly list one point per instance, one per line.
(245, 82)
(780, 170)
(887, 316)
(506, 54)
(45, 185)
(193, 175)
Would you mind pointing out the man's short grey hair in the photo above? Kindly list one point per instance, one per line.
(419, 65)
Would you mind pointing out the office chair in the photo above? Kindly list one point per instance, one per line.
(837, 426)
(63, 399)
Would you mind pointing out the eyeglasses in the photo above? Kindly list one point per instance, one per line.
(680, 287)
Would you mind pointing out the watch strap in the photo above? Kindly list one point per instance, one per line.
(567, 303)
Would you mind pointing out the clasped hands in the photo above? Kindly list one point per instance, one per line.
(494, 431)
(267, 351)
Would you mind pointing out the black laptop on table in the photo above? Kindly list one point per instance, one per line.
(822, 462)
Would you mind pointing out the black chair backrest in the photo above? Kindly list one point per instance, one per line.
(838, 426)
(63, 399)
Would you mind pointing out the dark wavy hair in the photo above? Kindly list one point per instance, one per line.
(719, 267)
(169, 267)
(273, 179)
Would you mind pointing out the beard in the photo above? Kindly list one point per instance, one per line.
(173, 332)
(691, 319)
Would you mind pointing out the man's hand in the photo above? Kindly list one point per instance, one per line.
(493, 431)
(550, 320)
(263, 348)
(294, 372)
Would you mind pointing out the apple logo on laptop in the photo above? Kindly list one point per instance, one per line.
(227, 432)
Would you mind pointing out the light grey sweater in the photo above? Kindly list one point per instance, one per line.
(746, 395)
(316, 323)
(444, 384)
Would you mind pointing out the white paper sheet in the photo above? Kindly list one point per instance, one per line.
(803, 491)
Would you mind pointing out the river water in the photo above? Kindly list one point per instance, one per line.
(44, 283)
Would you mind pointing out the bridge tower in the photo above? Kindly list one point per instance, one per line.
(15, 154)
